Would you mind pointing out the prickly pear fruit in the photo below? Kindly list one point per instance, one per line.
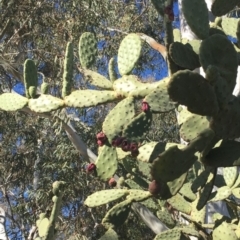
(90, 168)
(145, 106)
(154, 187)
(112, 182)
(101, 139)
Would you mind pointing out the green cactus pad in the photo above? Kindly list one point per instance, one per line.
(196, 14)
(190, 231)
(128, 53)
(12, 102)
(118, 117)
(226, 155)
(192, 44)
(221, 194)
(217, 50)
(180, 204)
(110, 234)
(182, 89)
(237, 183)
(192, 127)
(236, 192)
(159, 100)
(223, 232)
(198, 215)
(230, 25)
(181, 159)
(200, 181)
(97, 79)
(187, 192)
(130, 85)
(144, 168)
(117, 215)
(183, 115)
(105, 196)
(226, 123)
(30, 77)
(206, 191)
(222, 7)
(121, 154)
(230, 175)
(45, 103)
(138, 195)
(190, 60)
(44, 88)
(43, 227)
(149, 151)
(162, 167)
(173, 234)
(89, 98)
(139, 125)
(166, 218)
(107, 162)
(176, 35)
(111, 70)
(68, 70)
(87, 49)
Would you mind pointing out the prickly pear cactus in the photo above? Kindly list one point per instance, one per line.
(30, 78)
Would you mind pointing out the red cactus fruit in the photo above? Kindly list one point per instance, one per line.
(145, 106)
(133, 146)
(112, 182)
(125, 146)
(134, 153)
(117, 142)
(154, 187)
(91, 167)
(101, 139)
(169, 11)
(100, 143)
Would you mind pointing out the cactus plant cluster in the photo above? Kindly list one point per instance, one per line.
(161, 176)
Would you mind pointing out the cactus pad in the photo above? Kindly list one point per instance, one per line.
(12, 102)
(180, 204)
(129, 53)
(68, 70)
(43, 227)
(159, 100)
(105, 196)
(87, 49)
(222, 7)
(230, 175)
(45, 103)
(192, 127)
(88, 98)
(166, 218)
(117, 215)
(44, 88)
(118, 117)
(97, 79)
(182, 89)
(138, 195)
(30, 77)
(190, 60)
(220, 194)
(230, 25)
(139, 125)
(106, 162)
(217, 50)
(173, 234)
(223, 232)
(110, 234)
(196, 14)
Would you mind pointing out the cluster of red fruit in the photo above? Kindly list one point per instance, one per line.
(120, 142)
